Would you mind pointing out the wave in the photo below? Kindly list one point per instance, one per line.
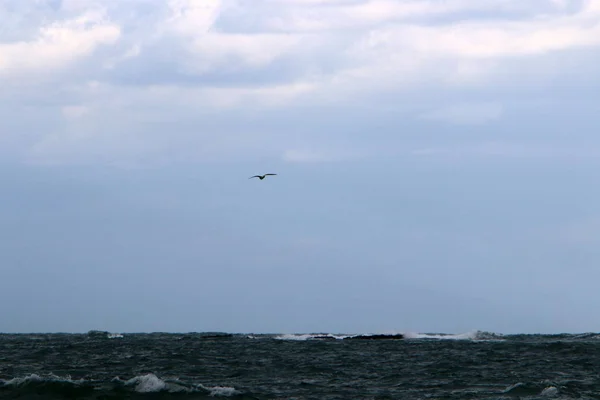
(310, 336)
(477, 336)
(527, 390)
(584, 336)
(53, 385)
(95, 334)
(471, 336)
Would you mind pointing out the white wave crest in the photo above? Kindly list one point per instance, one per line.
(24, 380)
(294, 337)
(550, 391)
(513, 387)
(37, 378)
(114, 335)
(150, 383)
(479, 336)
(224, 391)
(309, 336)
(147, 383)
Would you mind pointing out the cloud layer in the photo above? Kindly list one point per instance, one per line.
(104, 80)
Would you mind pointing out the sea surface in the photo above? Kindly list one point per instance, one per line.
(476, 365)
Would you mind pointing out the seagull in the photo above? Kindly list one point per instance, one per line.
(261, 177)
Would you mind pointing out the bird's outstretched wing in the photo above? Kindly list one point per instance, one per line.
(255, 176)
(270, 174)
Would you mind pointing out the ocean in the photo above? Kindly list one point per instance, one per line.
(476, 365)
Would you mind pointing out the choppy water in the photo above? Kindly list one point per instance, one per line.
(199, 366)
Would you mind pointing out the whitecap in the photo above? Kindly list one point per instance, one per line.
(513, 387)
(550, 391)
(37, 378)
(294, 337)
(224, 391)
(309, 336)
(115, 335)
(147, 383)
(24, 380)
(479, 336)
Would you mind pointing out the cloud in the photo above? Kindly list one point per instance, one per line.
(236, 51)
(327, 16)
(192, 17)
(189, 68)
(134, 51)
(466, 114)
(387, 43)
(464, 51)
(58, 44)
(194, 20)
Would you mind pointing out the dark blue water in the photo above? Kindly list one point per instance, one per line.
(207, 366)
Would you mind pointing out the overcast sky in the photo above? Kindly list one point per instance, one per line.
(438, 165)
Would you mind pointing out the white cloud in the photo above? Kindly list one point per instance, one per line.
(193, 22)
(465, 51)
(192, 17)
(193, 60)
(238, 51)
(58, 43)
(375, 11)
(79, 6)
(383, 48)
(132, 52)
(325, 16)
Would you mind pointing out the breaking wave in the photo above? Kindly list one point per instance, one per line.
(310, 336)
(53, 385)
(472, 336)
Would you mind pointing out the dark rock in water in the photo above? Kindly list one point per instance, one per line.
(217, 336)
(375, 337)
(206, 335)
(95, 333)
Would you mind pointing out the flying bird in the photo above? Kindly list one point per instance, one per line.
(261, 177)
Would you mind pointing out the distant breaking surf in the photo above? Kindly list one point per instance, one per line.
(473, 336)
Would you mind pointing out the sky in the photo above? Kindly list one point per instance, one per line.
(437, 166)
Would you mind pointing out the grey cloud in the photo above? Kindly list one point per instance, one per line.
(163, 65)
